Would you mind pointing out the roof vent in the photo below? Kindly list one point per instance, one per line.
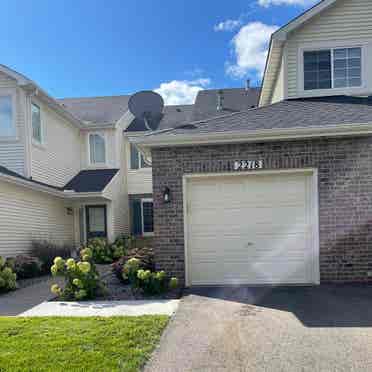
(178, 110)
(220, 100)
(248, 84)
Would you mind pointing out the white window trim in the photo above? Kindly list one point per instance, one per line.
(140, 168)
(34, 140)
(328, 45)
(104, 136)
(146, 200)
(11, 93)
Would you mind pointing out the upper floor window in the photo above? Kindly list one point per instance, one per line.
(136, 159)
(7, 128)
(333, 68)
(97, 149)
(36, 123)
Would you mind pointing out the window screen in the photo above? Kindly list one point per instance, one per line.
(97, 149)
(347, 67)
(36, 122)
(6, 117)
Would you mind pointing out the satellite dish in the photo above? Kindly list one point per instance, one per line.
(147, 106)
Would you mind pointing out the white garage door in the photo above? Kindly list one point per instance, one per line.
(251, 229)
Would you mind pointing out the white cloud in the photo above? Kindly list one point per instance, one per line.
(304, 3)
(250, 50)
(179, 92)
(228, 25)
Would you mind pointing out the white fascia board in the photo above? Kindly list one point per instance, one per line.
(79, 195)
(146, 144)
(125, 120)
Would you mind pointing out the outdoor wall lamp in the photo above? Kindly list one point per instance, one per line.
(166, 195)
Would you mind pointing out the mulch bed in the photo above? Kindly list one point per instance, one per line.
(118, 291)
(23, 283)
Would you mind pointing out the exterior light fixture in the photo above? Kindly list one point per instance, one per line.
(166, 195)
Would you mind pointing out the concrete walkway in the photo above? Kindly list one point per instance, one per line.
(104, 308)
(16, 302)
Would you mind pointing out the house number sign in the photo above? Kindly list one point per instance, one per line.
(248, 164)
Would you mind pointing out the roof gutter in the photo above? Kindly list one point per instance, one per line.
(145, 144)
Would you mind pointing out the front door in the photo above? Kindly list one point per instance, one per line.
(96, 221)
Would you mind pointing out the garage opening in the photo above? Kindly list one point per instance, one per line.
(251, 228)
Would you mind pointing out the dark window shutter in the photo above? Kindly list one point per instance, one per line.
(136, 217)
(133, 157)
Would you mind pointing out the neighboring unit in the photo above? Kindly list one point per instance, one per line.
(68, 172)
(280, 194)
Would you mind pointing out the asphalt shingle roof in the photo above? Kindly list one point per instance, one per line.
(94, 180)
(97, 110)
(94, 111)
(233, 100)
(294, 113)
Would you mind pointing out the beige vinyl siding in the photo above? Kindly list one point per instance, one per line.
(26, 215)
(139, 180)
(57, 159)
(271, 74)
(12, 152)
(117, 189)
(278, 93)
(346, 21)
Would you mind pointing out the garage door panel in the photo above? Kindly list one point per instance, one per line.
(253, 229)
(272, 247)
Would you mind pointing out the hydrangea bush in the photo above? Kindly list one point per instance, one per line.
(103, 252)
(8, 279)
(81, 277)
(150, 282)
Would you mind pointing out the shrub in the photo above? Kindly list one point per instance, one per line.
(25, 266)
(81, 278)
(145, 255)
(104, 253)
(46, 251)
(130, 270)
(8, 278)
(152, 283)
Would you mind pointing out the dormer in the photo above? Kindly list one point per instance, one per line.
(326, 51)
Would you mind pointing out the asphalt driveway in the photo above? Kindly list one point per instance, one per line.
(326, 328)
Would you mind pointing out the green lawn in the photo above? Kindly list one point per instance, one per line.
(78, 344)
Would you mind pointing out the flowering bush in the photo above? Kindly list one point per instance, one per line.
(150, 282)
(145, 255)
(103, 252)
(81, 278)
(8, 279)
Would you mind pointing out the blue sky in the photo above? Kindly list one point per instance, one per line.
(93, 48)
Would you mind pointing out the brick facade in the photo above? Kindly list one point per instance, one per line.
(345, 197)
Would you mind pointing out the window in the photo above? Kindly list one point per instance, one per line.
(7, 128)
(96, 221)
(333, 68)
(36, 122)
(142, 217)
(97, 149)
(347, 67)
(317, 67)
(136, 159)
(147, 216)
